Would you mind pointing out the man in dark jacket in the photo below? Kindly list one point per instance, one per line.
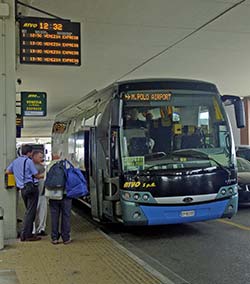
(60, 208)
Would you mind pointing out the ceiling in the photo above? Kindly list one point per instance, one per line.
(118, 35)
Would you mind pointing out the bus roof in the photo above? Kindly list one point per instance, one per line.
(135, 84)
(168, 84)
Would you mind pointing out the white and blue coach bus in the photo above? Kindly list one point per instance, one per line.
(154, 151)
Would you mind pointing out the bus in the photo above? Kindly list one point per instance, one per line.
(153, 151)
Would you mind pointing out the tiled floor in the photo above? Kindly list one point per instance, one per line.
(91, 258)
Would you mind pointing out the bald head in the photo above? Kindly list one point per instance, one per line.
(55, 156)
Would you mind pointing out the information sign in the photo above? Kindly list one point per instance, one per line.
(49, 41)
(33, 104)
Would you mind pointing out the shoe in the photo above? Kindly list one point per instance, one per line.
(67, 242)
(42, 234)
(19, 220)
(31, 239)
(55, 242)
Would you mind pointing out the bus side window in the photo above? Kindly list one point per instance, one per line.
(86, 154)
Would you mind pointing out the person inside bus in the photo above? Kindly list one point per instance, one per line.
(139, 142)
(160, 131)
(132, 120)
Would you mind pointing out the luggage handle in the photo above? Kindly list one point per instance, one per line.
(65, 162)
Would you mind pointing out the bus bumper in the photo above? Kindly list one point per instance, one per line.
(135, 214)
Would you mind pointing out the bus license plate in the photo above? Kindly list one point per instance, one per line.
(189, 213)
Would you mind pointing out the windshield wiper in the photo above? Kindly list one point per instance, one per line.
(147, 171)
(161, 164)
(193, 153)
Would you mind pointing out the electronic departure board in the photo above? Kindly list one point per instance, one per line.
(49, 41)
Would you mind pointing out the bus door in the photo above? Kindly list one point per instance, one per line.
(93, 176)
(86, 154)
(111, 204)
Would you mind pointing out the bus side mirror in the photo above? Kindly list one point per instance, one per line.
(240, 114)
(239, 109)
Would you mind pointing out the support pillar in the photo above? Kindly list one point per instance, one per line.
(7, 111)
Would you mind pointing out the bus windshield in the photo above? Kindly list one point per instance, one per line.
(159, 134)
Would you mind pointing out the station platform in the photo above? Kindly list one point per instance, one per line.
(91, 258)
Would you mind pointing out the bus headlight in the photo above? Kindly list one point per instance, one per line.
(230, 190)
(223, 192)
(127, 195)
(145, 197)
(136, 196)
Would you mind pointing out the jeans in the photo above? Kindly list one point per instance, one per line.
(60, 208)
(30, 201)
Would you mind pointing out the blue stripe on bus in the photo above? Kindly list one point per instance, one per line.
(158, 215)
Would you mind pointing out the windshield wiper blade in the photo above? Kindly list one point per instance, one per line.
(161, 164)
(193, 153)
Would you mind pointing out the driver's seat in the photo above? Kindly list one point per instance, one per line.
(139, 146)
(191, 138)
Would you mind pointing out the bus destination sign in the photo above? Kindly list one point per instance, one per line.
(49, 41)
(147, 96)
(33, 104)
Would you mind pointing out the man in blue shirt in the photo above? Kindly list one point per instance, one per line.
(26, 176)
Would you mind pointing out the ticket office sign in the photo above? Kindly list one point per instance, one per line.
(49, 41)
(33, 104)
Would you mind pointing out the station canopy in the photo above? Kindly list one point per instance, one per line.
(118, 35)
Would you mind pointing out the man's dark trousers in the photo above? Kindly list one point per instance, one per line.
(63, 208)
(30, 201)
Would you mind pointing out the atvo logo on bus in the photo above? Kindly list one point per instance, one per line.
(136, 184)
(188, 199)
